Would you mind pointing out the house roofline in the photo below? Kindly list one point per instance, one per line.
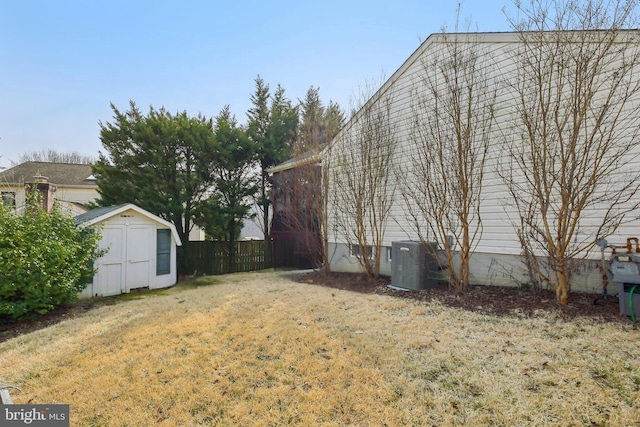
(480, 37)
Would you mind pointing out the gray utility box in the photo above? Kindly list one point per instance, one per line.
(625, 271)
(624, 289)
(413, 266)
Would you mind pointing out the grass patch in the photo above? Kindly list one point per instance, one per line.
(257, 349)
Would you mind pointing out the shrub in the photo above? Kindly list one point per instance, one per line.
(45, 260)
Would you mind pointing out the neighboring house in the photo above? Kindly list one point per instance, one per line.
(72, 186)
(497, 256)
(252, 227)
(141, 250)
(296, 198)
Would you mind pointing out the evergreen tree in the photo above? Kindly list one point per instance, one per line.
(272, 128)
(318, 124)
(234, 183)
(160, 162)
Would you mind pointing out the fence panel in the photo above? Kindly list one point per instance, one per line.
(212, 257)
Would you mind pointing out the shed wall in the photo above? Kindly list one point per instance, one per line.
(133, 260)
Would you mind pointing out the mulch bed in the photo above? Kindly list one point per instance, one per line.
(10, 328)
(495, 300)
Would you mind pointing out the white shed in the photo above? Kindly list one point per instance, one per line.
(141, 250)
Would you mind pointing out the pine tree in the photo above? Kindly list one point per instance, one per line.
(159, 161)
(272, 124)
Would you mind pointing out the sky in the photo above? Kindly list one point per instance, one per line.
(63, 63)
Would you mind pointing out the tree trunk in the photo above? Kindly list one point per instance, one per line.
(563, 287)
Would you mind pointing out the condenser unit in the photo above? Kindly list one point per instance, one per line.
(413, 265)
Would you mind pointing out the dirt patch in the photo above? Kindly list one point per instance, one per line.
(494, 300)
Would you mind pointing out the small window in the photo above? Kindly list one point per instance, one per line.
(355, 251)
(9, 199)
(163, 252)
(389, 253)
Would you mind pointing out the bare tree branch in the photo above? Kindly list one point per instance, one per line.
(362, 176)
(450, 130)
(575, 94)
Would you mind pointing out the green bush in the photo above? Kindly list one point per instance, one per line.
(45, 260)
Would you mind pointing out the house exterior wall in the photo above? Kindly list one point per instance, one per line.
(82, 195)
(295, 231)
(496, 259)
(342, 260)
(196, 234)
(137, 249)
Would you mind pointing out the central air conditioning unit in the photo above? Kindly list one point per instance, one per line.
(413, 265)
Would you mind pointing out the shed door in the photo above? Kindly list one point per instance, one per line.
(111, 266)
(140, 241)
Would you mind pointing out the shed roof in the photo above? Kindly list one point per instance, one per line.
(60, 174)
(91, 215)
(97, 215)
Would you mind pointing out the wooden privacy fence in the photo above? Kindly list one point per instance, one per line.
(213, 258)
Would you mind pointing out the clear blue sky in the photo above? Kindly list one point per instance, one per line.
(62, 62)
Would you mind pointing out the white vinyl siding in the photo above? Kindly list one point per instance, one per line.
(495, 259)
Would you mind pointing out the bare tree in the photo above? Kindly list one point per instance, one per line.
(53, 156)
(453, 112)
(575, 123)
(362, 174)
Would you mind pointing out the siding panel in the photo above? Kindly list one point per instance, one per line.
(497, 254)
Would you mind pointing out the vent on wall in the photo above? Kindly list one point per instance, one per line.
(414, 266)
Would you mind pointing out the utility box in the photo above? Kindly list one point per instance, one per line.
(414, 266)
(624, 290)
(624, 269)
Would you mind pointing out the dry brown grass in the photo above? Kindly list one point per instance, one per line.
(258, 349)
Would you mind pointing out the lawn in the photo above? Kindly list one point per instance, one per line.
(258, 349)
